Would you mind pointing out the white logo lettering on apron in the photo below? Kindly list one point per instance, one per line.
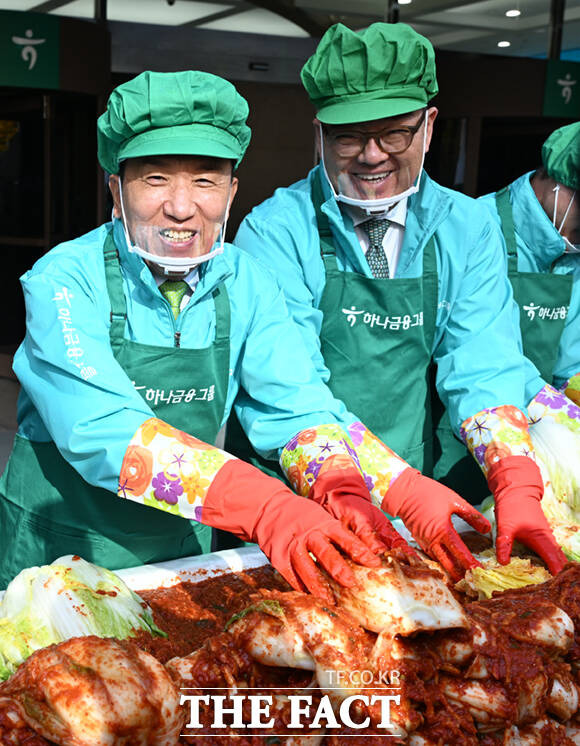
(546, 312)
(154, 396)
(387, 322)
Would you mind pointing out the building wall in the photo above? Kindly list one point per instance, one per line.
(490, 126)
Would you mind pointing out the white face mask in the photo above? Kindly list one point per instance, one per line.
(570, 247)
(375, 207)
(172, 265)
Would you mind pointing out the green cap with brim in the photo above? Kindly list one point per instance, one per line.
(183, 113)
(383, 71)
(561, 155)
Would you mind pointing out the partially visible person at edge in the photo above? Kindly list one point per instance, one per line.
(140, 337)
(386, 272)
(539, 216)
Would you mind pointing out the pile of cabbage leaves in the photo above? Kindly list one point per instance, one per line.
(69, 598)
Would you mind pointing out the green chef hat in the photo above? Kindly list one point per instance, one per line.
(561, 155)
(183, 113)
(385, 70)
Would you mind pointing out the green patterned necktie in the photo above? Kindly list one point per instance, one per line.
(376, 228)
(174, 290)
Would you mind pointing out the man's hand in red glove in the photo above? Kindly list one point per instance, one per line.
(286, 527)
(426, 508)
(518, 487)
(344, 494)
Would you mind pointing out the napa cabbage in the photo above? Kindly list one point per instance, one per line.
(68, 598)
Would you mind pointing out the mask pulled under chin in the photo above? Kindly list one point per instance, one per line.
(376, 208)
(172, 265)
(571, 248)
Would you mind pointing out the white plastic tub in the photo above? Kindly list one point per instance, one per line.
(192, 569)
(196, 569)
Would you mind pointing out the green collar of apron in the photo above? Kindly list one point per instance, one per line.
(133, 263)
(211, 274)
(426, 210)
(341, 223)
(533, 226)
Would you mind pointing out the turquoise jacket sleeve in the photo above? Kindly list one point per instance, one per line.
(568, 362)
(75, 393)
(279, 392)
(479, 360)
(73, 390)
(287, 243)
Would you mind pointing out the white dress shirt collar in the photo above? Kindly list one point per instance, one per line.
(192, 279)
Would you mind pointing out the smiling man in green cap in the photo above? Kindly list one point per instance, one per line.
(386, 273)
(141, 337)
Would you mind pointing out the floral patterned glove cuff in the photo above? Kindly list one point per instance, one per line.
(572, 389)
(380, 466)
(319, 449)
(315, 450)
(495, 433)
(168, 469)
(549, 403)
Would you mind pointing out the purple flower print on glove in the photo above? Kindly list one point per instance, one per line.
(479, 453)
(292, 443)
(313, 467)
(552, 398)
(166, 488)
(356, 431)
(369, 482)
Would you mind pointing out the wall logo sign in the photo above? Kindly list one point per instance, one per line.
(29, 49)
(28, 44)
(562, 89)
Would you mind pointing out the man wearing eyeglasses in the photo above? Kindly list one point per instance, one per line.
(386, 272)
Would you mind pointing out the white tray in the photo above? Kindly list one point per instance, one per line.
(192, 569)
(196, 569)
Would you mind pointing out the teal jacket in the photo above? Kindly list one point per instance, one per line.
(475, 345)
(541, 249)
(272, 383)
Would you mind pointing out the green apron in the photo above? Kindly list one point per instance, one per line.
(397, 407)
(376, 340)
(538, 295)
(237, 442)
(48, 510)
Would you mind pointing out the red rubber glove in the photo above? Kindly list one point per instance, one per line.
(344, 494)
(426, 508)
(287, 528)
(518, 487)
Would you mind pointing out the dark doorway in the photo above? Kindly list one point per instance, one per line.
(48, 188)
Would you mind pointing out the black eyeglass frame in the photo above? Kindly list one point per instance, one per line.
(408, 132)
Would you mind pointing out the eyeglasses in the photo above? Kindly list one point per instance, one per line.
(391, 141)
